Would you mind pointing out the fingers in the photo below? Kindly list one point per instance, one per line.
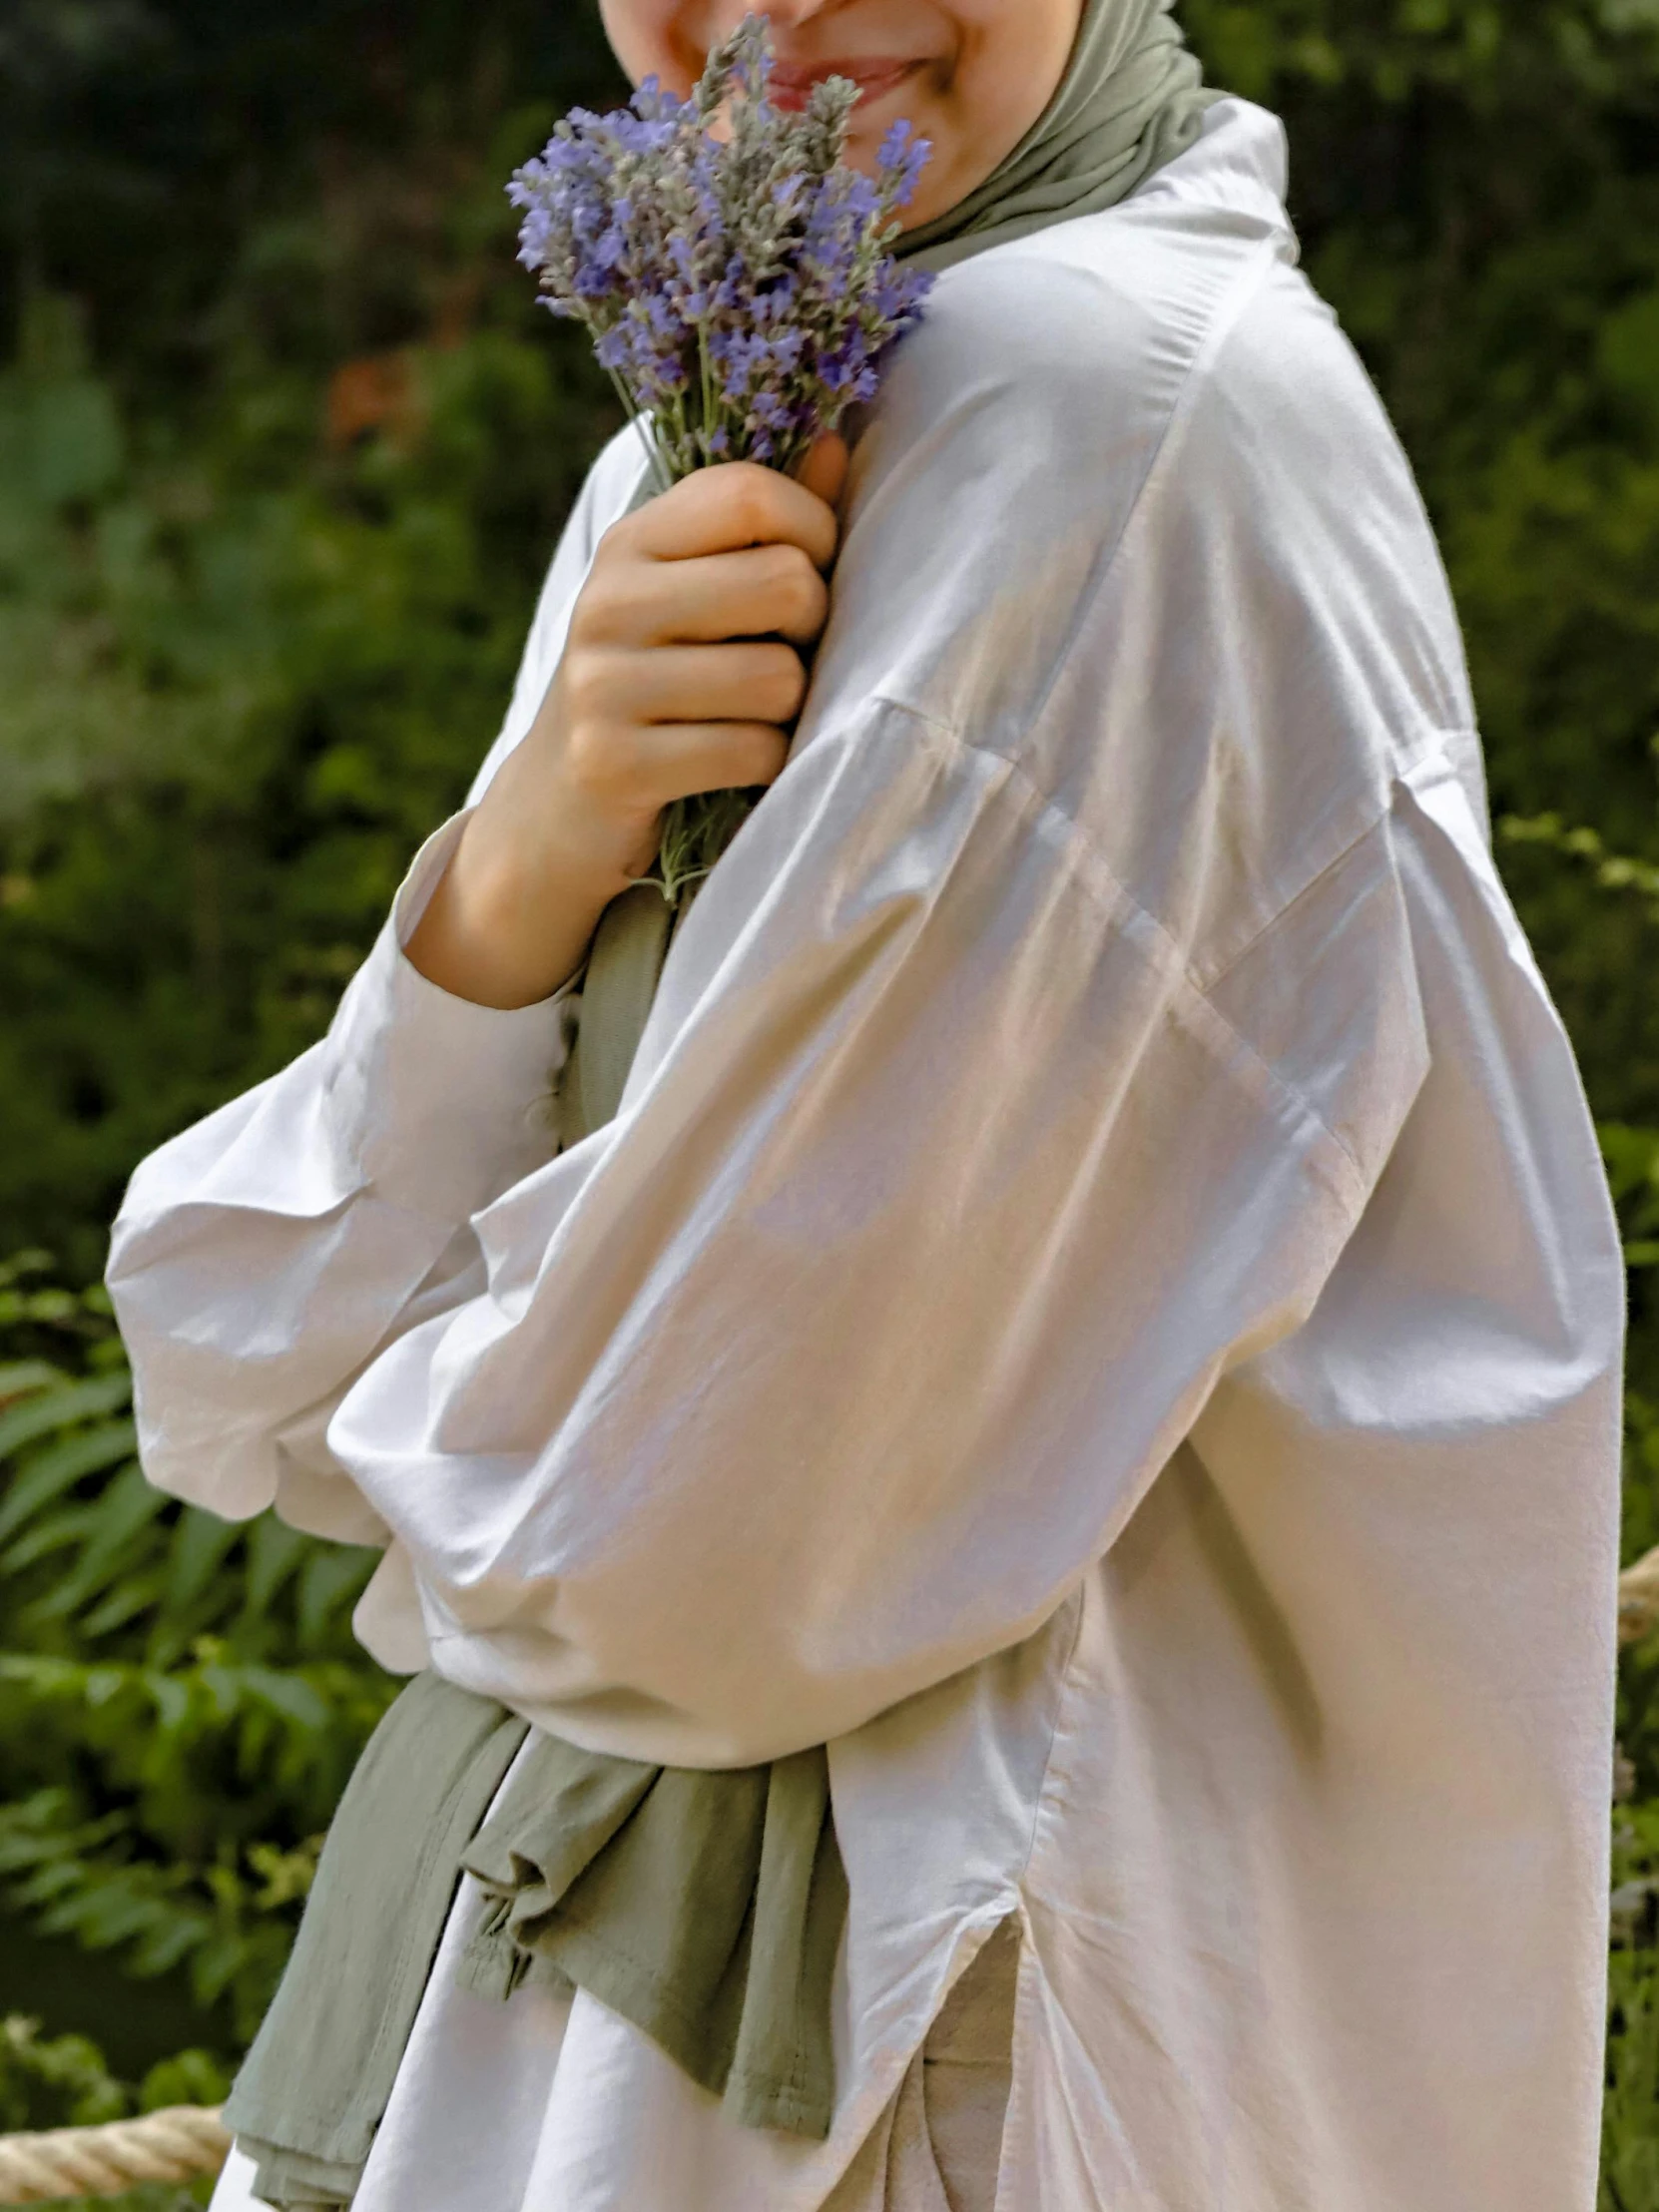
(760, 682)
(713, 757)
(630, 770)
(724, 509)
(681, 671)
(761, 591)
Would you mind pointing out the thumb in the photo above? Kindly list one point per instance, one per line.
(823, 471)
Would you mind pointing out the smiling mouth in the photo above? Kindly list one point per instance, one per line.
(791, 86)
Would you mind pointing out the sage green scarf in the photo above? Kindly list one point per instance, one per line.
(1132, 98)
(705, 1908)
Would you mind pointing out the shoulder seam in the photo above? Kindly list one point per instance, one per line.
(1091, 869)
(1233, 302)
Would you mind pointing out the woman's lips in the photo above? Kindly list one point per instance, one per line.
(791, 86)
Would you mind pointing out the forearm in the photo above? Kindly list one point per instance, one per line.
(681, 673)
(511, 919)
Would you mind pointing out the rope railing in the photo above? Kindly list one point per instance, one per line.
(179, 2143)
(186, 2141)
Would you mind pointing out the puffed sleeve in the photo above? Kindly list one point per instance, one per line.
(1025, 1066)
(939, 1198)
(261, 1255)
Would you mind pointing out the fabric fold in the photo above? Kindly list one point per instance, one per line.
(705, 1908)
(312, 2090)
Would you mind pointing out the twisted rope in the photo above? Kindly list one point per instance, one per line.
(177, 2144)
(187, 2140)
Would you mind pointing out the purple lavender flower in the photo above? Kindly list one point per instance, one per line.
(740, 290)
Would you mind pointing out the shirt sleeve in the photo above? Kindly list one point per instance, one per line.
(938, 1199)
(261, 1255)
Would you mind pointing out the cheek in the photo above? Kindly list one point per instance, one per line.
(1009, 62)
(1021, 56)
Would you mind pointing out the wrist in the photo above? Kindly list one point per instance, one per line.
(510, 919)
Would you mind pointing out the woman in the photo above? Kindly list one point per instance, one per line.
(1099, 1303)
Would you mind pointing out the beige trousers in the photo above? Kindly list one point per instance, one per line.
(937, 2146)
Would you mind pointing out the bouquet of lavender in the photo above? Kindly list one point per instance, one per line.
(739, 289)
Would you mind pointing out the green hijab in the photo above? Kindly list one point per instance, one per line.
(703, 1907)
(1132, 98)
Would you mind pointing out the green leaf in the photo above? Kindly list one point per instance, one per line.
(331, 1579)
(61, 1531)
(275, 1552)
(20, 1376)
(190, 2077)
(168, 1944)
(60, 1468)
(64, 442)
(215, 1965)
(1628, 348)
(125, 1512)
(44, 1675)
(133, 1598)
(199, 1543)
(50, 1409)
(289, 1695)
(173, 1702)
(103, 1685)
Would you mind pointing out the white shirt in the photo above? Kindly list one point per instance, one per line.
(1100, 1303)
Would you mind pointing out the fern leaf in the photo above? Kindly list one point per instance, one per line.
(57, 1532)
(288, 1695)
(131, 1599)
(20, 1376)
(330, 1581)
(59, 1469)
(46, 1409)
(275, 1552)
(200, 1544)
(125, 1512)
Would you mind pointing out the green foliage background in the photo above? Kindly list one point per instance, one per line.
(284, 447)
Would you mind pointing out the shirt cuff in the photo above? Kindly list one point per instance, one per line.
(439, 1104)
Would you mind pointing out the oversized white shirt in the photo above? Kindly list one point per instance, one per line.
(1100, 1303)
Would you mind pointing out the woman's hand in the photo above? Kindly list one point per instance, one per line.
(682, 671)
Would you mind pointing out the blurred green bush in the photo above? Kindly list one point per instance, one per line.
(181, 1698)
